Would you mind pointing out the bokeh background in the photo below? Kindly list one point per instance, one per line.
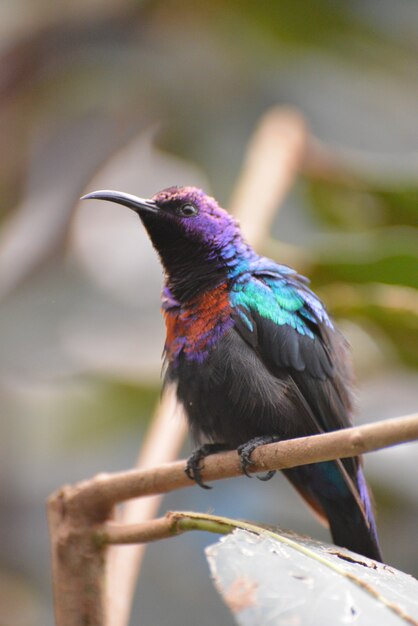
(139, 96)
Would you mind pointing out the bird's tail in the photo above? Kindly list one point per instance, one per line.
(342, 499)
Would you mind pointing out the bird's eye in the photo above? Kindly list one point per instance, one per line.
(187, 210)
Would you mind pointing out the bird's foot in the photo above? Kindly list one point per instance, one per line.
(246, 449)
(194, 462)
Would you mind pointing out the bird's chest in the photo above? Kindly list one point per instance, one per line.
(193, 330)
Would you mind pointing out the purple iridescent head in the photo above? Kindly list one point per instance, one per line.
(198, 242)
(199, 216)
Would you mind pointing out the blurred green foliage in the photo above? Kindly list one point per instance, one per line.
(294, 23)
(374, 242)
(357, 206)
(107, 406)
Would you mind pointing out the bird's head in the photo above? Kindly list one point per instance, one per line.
(198, 242)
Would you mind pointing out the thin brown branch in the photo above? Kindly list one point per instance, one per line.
(173, 523)
(103, 492)
(142, 533)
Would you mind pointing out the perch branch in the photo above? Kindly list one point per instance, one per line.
(104, 491)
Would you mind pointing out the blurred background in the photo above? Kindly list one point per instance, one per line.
(138, 96)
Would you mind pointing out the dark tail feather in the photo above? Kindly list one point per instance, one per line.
(345, 503)
(359, 538)
(364, 538)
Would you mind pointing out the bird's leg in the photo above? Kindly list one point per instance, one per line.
(194, 462)
(246, 449)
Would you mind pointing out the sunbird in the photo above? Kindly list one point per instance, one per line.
(253, 353)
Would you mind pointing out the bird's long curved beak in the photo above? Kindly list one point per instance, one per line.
(133, 202)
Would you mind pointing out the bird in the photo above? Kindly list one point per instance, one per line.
(253, 353)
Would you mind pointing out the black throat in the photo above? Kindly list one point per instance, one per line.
(190, 266)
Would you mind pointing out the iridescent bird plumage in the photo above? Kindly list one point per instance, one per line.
(253, 353)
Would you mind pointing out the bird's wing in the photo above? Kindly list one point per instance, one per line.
(289, 329)
(287, 325)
